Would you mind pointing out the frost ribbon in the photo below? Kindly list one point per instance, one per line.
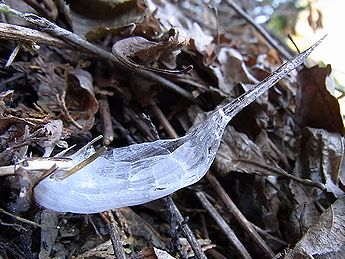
(144, 172)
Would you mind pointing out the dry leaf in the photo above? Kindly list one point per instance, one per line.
(148, 52)
(326, 239)
(315, 106)
(94, 19)
(231, 70)
(322, 158)
(74, 86)
(80, 97)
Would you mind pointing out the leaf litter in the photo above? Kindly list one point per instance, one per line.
(50, 98)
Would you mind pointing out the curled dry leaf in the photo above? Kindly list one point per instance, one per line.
(70, 92)
(148, 52)
(80, 97)
(325, 239)
(201, 42)
(315, 106)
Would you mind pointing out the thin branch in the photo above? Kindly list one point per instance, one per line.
(109, 219)
(65, 112)
(238, 216)
(163, 120)
(85, 162)
(22, 34)
(281, 172)
(20, 218)
(104, 111)
(13, 55)
(223, 225)
(177, 221)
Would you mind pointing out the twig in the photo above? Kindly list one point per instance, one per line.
(294, 43)
(37, 163)
(239, 217)
(108, 217)
(13, 225)
(20, 219)
(204, 226)
(11, 79)
(63, 152)
(177, 221)
(261, 30)
(223, 225)
(70, 37)
(166, 83)
(13, 55)
(152, 127)
(80, 151)
(47, 173)
(281, 172)
(104, 111)
(269, 236)
(140, 123)
(65, 112)
(85, 162)
(90, 220)
(22, 34)
(163, 120)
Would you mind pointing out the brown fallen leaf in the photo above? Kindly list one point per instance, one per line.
(315, 106)
(230, 70)
(68, 91)
(22, 126)
(80, 97)
(139, 229)
(321, 159)
(95, 19)
(148, 53)
(326, 239)
(146, 26)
